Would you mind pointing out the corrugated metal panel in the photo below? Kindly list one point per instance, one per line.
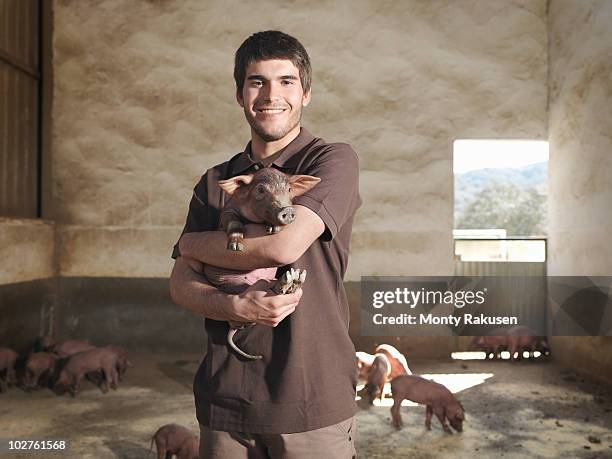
(19, 80)
(515, 295)
(19, 32)
(499, 268)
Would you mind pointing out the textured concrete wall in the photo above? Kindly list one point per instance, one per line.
(27, 280)
(580, 167)
(26, 251)
(144, 102)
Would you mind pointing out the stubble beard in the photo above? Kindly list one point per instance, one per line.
(279, 131)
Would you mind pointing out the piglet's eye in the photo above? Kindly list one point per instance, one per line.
(260, 189)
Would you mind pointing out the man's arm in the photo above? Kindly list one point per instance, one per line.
(260, 249)
(190, 289)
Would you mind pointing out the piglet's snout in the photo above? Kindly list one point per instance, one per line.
(286, 215)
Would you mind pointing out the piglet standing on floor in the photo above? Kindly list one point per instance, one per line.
(399, 364)
(172, 439)
(78, 365)
(123, 363)
(388, 363)
(437, 399)
(39, 369)
(490, 345)
(364, 364)
(8, 357)
(68, 348)
(122, 359)
(44, 343)
(377, 378)
(522, 338)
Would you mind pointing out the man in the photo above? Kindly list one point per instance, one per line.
(298, 401)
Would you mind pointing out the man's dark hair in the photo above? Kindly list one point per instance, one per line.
(268, 45)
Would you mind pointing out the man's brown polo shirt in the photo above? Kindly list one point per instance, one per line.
(307, 377)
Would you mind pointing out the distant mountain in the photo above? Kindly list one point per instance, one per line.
(469, 184)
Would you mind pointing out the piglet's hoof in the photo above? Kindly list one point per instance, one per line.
(235, 246)
(290, 282)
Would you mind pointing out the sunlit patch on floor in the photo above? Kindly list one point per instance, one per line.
(468, 355)
(504, 355)
(456, 382)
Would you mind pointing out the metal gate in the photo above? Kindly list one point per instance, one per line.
(516, 295)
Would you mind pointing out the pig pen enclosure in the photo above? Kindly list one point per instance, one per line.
(111, 110)
(527, 409)
(530, 408)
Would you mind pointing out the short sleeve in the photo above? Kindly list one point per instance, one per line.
(336, 197)
(198, 214)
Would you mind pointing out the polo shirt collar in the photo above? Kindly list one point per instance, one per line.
(285, 161)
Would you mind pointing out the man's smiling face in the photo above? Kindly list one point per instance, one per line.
(272, 98)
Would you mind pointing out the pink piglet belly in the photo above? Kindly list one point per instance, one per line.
(232, 281)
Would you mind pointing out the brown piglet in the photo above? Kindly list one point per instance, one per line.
(68, 348)
(172, 439)
(123, 363)
(522, 338)
(122, 359)
(78, 365)
(8, 357)
(39, 369)
(437, 399)
(265, 197)
(377, 378)
(44, 343)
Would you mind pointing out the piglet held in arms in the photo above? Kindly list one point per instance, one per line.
(263, 197)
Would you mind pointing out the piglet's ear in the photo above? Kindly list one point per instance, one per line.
(300, 184)
(231, 185)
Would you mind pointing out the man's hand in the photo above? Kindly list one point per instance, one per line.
(259, 304)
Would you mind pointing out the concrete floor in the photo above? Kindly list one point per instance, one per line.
(513, 410)
(520, 410)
